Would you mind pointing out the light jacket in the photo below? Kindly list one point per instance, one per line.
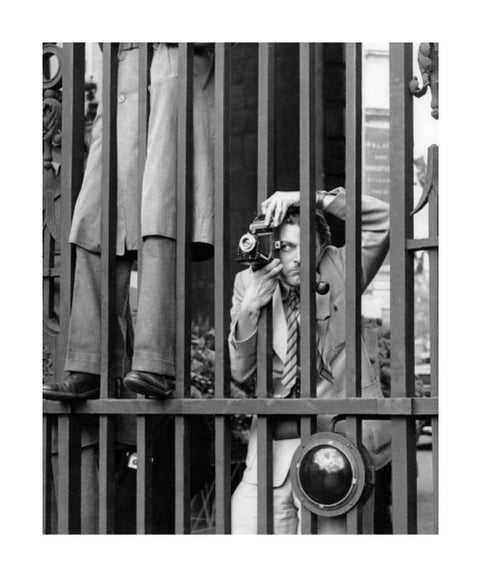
(330, 328)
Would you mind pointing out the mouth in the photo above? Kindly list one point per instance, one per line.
(293, 275)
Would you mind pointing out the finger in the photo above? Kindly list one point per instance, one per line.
(269, 270)
(279, 213)
(274, 219)
(268, 213)
(264, 270)
(271, 265)
(275, 271)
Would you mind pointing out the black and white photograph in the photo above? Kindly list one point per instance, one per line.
(240, 288)
(246, 321)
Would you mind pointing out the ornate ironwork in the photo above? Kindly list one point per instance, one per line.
(52, 104)
(52, 126)
(52, 134)
(91, 110)
(431, 178)
(428, 64)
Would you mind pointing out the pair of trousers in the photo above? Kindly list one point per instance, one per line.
(287, 511)
(163, 493)
(154, 349)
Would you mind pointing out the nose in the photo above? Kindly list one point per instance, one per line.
(296, 255)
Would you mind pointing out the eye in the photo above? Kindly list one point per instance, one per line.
(285, 247)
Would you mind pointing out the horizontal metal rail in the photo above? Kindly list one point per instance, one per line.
(416, 244)
(365, 407)
(52, 272)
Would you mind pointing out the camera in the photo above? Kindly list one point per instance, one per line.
(259, 245)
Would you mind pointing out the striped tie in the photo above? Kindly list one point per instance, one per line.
(290, 367)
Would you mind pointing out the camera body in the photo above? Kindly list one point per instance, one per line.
(259, 245)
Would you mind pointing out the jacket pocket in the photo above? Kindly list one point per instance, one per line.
(336, 326)
(376, 433)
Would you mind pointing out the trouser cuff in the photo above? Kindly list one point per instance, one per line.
(155, 365)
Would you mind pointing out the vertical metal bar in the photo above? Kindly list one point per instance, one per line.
(266, 63)
(108, 306)
(308, 351)
(69, 463)
(73, 102)
(404, 492)
(144, 424)
(47, 474)
(184, 235)
(222, 267)
(319, 117)
(69, 475)
(433, 290)
(353, 247)
(144, 475)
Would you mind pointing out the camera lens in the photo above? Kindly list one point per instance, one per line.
(247, 243)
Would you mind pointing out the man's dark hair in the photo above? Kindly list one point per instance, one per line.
(323, 229)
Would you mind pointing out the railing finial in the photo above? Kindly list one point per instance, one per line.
(428, 64)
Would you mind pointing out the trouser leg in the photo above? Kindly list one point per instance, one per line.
(332, 525)
(89, 489)
(286, 510)
(83, 348)
(155, 328)
(383, 499)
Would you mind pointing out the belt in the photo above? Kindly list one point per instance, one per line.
(124, 46)
(196, 49)
(286, 427)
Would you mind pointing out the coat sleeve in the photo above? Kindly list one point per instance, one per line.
(375, 231)
(243, 353)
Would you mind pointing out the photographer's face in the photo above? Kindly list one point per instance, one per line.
(290, 253)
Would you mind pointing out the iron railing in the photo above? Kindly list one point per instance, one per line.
(402, 408)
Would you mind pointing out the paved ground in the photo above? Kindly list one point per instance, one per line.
(425, 486)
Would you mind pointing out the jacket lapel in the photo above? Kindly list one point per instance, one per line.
(279, 322)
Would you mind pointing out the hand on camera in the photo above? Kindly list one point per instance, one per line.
(275, 207)
(261, 289)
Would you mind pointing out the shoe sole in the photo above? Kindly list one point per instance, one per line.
(146, 389)
(70, 397)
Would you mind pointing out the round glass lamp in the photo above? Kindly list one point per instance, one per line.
(330, 474)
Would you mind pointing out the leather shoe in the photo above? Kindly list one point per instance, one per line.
(149, 384)
(77, 386)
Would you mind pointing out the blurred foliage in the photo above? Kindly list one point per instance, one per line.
(203, 375)
(384, 348)
(47, 363)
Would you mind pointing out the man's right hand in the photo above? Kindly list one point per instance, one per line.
(258, 294)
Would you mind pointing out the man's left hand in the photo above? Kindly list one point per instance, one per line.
(275, 207)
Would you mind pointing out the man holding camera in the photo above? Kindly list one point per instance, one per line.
(278, 282)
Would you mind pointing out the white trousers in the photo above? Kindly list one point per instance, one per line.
(287, 512)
